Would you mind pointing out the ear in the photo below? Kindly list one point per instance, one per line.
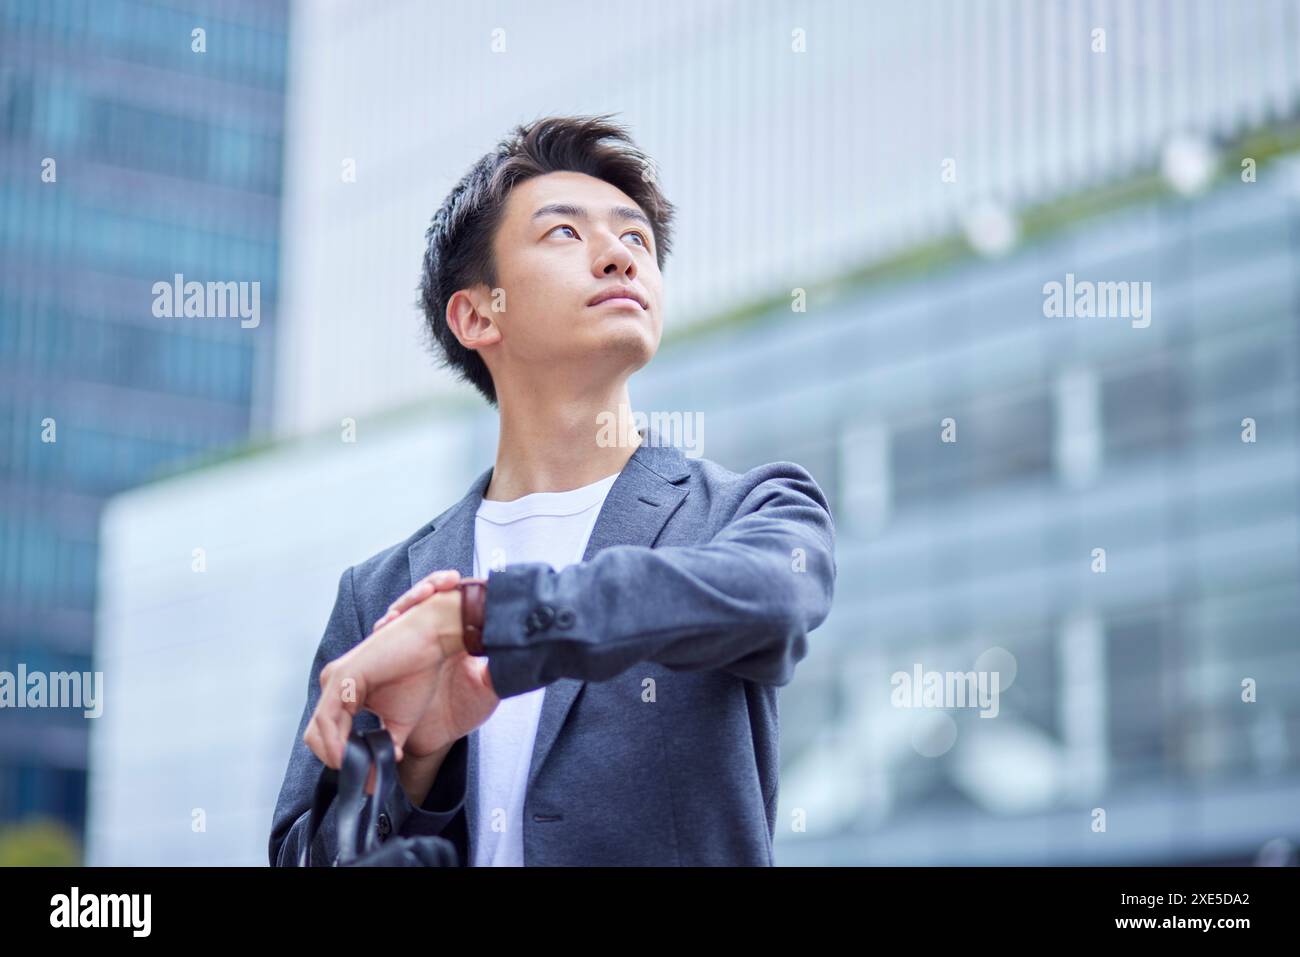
(471, 319)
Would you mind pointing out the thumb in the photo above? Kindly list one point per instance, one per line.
(484, 674)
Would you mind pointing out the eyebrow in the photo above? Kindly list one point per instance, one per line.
(578, 212)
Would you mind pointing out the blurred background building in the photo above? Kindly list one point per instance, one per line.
(126, 156)
(873, 198)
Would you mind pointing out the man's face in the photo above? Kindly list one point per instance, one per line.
(552, 262)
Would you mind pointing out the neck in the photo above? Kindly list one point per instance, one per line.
(559, 442)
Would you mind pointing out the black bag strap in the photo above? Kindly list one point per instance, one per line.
(385, 760)
(349, 784)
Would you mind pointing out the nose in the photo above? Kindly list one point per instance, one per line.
(616, 258)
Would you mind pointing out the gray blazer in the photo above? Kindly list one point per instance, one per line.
(661, 654)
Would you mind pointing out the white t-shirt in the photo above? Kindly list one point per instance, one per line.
(551, 527)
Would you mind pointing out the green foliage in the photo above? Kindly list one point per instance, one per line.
(39, 842)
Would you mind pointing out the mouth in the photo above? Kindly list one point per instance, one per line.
(621, 296)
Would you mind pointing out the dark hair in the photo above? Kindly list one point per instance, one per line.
(458, 251)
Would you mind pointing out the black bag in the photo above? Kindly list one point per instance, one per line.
(349, 784)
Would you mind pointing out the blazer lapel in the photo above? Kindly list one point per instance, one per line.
(450, 544)
(638, 505)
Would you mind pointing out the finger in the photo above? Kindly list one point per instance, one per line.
(318, 741)
(397, 747)
(324, 732)
(312, 739)
(485, 674)
(417, 592)
(343, 727)
(409, 600)
(388, 616)
(441, 580)
(330, 719)
(347, 692)
(319, 730)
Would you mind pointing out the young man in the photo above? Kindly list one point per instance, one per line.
(609, 696)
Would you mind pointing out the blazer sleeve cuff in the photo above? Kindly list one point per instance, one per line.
(445, 800)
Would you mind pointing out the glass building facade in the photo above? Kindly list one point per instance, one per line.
(1097, 532)
(1114, 527)
(1123, 690)
(138, 140)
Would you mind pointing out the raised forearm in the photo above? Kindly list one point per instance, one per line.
(742, 602)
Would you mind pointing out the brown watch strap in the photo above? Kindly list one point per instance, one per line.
(473, 605)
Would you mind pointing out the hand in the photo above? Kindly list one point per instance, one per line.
(441, 580)
(393, 673)
(463, 697)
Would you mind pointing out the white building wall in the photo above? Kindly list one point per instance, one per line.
(205, 673)
(786, 166)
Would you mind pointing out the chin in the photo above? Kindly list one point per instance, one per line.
(637, 345)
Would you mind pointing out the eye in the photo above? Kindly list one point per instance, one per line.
(564, 226)
(644, 242)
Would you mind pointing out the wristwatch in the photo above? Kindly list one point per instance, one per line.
(473, 603)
